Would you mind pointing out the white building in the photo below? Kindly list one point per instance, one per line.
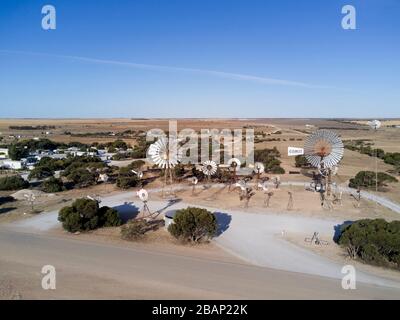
(11, 164)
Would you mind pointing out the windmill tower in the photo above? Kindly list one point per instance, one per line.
(233, 166)
(258, 169)
(209, 168)
(166, 154)
(323, 150)
(144, 197)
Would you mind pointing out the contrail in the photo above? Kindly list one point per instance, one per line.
(220, 74)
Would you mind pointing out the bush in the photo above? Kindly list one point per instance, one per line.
(373, 241)
(269, 158)
(193, 225)
(179, 170)
(82, 177)
(126, 178)
(40, 172)
(85, 214)
(17, 152)
(109, 217)
(367, 179)
(13, 183)
(52, 185)
(134, 229)
(301, 161)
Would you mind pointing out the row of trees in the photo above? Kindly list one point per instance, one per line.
(363, 147)
(368, 179)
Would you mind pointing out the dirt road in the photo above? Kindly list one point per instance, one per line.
(96, 270)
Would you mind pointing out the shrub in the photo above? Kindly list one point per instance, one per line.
(85, 214)
(193, 225)
(13, 183)
(269, 158)
(301, 161)
(137, 164)
(17, 152)
(126, 178)
(82, 177)
(134, 230)
(41, 172)
(179, 170)
(109, 217)
(373, 241)
(52, 185)
(367, 179)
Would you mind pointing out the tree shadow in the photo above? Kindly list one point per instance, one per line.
(6, 199)
(8, 209)
(127, 211)
(170, 203)
(338, 229)
(223, 221)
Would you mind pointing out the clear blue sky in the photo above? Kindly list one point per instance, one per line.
(200, 58)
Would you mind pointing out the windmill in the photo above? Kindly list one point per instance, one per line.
(268, 194)
(31, 198)
(139, 174)
(233, 165)
(144, 196)
(258, 169)
(166, 154)
(209, 168)
(374, 124)
(323, 150)
(246, 193)
(193, 181)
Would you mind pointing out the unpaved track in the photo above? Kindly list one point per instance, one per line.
(94, 270)
(99, 270)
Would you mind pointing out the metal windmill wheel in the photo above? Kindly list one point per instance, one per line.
(323, 149)
(144, 197)
(166, 154)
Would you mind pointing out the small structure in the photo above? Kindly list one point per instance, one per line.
(169, 218)
(316, 240)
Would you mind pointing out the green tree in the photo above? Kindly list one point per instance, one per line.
(17, 152)
(301, 161)
(40, 172)
(13, 183)
(82, 177)
(126, 178)
(367, 179)
(52, 185)
(373, 241)
(85, 214)
(193, 225)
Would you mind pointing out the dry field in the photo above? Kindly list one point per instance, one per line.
(292, 132)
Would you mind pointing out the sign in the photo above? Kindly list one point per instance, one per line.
(292, 151)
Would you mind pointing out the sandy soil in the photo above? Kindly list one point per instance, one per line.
(334, 252)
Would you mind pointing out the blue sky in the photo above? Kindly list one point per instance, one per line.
(200, 58)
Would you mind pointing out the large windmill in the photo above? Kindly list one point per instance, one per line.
(166, 154)
(323, 150)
